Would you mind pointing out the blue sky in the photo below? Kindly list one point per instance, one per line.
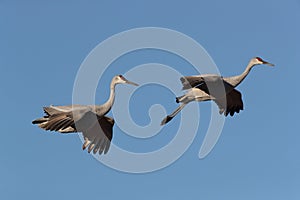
(43, 45)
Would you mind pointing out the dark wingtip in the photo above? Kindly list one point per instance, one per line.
(38, 121)
(166, 120)
(177, 100)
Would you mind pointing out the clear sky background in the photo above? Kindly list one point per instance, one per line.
(43, 44)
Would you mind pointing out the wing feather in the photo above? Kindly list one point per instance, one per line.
(99, 135)
(233, 103)
(97, 131)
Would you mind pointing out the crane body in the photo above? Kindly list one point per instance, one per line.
(213, 87)
(88, 119)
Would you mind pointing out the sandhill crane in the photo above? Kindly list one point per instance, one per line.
(214, 87)
(88, 119)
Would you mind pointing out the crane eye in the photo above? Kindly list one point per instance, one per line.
(259, 59)
(122, 77)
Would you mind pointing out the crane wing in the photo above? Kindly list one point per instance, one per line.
(97, 131)
(233, 103)
(63, 118)
(56, 120)
(98, 137)
(213, 85)
(189, 82)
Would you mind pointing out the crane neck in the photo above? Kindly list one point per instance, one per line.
(105, 108)
(236, 80)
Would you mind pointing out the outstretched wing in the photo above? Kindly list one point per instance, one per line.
(189, 82)
(233, 103)
(213, 85)
(98, 137)
(63, 118)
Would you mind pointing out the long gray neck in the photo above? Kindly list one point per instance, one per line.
(105, 108)
(236, 80)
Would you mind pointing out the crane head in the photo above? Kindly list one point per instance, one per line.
(119, 79)
(259, 61)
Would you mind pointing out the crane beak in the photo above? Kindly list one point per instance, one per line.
(127, 81)
(131, 83)
(267, 63)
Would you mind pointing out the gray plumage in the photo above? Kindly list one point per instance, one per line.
(214, 87)
(88, 119)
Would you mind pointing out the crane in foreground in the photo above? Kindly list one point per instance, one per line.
(214, 87)
(88, 119)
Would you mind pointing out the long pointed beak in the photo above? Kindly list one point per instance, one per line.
(131, 83)
(267, 63)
